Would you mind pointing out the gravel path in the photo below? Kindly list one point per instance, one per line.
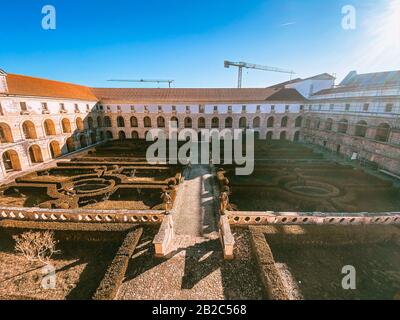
(195, 270)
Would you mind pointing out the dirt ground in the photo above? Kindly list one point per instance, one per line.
(314, 271)
(79, 270)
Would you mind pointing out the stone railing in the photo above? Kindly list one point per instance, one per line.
(81, 215)
(294, 218)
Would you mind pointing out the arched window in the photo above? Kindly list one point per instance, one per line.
(147, 122)
(270, 122)
(99, 122)
(283, 135)
(49, 128)
(299, 122)
(79, 124)
(284, 122)
(361, 129)
(70, 144)
(317, 123)
(308, 123)
(66, 125)
(35, 154)
(229, 123)
(5, 133)
(256, 122)
(134, 122)
(243, 123)
(297, 136)
(383, 132)
(215, 123)
(135, 135)
(120, 122)
(55, 149)
(83, 141)
(343, 126)
(29, 130)
(109, 135)
(90, 123)
(175, 122)
(121, 135)
(201, 123)
(269, 136)
(160, 122)
(329, 124)
(107, 122)
(11, 161)
(188, 122)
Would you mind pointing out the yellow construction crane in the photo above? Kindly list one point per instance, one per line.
(241, 65)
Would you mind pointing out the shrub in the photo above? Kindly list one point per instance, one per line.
(36, 246)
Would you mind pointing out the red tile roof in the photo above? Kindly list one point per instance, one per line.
(154, 96)
(30, 86)
(37, 87)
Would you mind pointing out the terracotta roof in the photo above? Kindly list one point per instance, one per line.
(257, 95)
(30, 86)
(289, 95)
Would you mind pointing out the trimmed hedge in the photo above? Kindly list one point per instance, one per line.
(115, 274)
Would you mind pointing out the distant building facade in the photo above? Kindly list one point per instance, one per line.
(42, 119)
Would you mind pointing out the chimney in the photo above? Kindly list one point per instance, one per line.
(3, 82)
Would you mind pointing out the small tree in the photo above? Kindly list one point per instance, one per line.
(36, 246)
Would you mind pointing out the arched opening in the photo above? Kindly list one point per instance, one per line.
(107, 122)
(5, 133)
(296, 136)
(188, 122)
(361, 129)
(70, 144)
(90, 123)
(270, 135)
(256, 122)
(229, 123)
(243, 123)
(29, 130)
(284, 122)
(83, 141)
(215, 123)
(299, 122)
(93, 137)
(135, 135)
(270, 122)
(201, 123)
(101, 135)
(161, 122)
(109, 135)
(99, 122)
(134, 122)
(329, 124)
(11, 161)
(317, 123)
(343, 126)
(35, 154)
(49, 128)
(175, 122)
(283, 135)
(308, 123)
(382, 132)
(121, 136)
(147, 122)
(79, 124)
(256, 135)
(55, 149)
(120, 122)
(66, 125)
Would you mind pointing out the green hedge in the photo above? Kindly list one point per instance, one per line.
(115, 274)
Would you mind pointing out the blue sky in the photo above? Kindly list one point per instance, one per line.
(188, 41)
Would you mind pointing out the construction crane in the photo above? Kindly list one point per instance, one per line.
(158, 81)
(241, 65)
